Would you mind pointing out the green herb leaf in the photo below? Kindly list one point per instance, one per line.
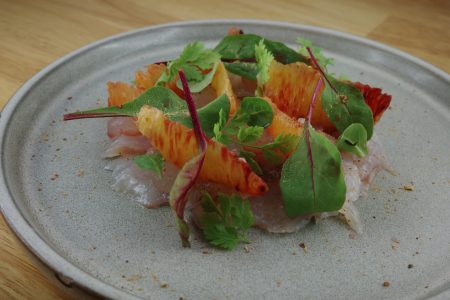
(253, 113)
(311, 179)
(274, 152)
(321, 59)
(250, 158)
(263, 60)
(159, 97)
(249, 134)
(169, 103)
(242, 47)
(193, 61)
(208, 115)
(248, 70)
(247, 126)
(258, 111)
(354, 140)
(343, 103)
(224, 223)
(346, 107)
(189, 172)
(202, 82)
(152, 162)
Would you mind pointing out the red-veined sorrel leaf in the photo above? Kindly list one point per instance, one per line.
(311, 179)
(343, 103)
(190, 171)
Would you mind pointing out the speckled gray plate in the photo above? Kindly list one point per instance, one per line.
(56, 195)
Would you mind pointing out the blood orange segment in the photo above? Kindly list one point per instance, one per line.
(121, 93)
(291, 88)
(147, 79)
(375, 99)
(222, 85)
(282, 123)
(178, 144)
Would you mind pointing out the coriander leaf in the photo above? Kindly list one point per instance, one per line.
(225, 221)
(321, 59)
(253, 112)
(193, 60)
(242, 47)
(249, 134)
(263, 60)
(247, 70)
(354, 140)
(152, 162)
(203, 81)
(312, 180)
(222, 237)
(249, 157)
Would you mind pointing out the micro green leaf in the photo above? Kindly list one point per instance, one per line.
(258, 110)
(169, 103)
(193, 60)
(354, 140)
(249, 134)
(263, 60)
(152, 162)
(189, 172)
(242, 47)
(250, 159)
(203, 81)
(254, 113)
(318, 54)
(159, 97)
(343, 103)
(312, 180)
(346, 107)
(225, 221)
(247, 70)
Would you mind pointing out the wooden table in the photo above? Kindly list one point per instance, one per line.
(35, 33)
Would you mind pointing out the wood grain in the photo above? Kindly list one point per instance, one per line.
(35, 33)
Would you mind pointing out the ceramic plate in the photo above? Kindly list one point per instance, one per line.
(56, 194)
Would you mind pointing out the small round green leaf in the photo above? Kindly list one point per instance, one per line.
(354, 140)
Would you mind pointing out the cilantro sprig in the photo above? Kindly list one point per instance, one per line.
(247, 126)
(224, 222)
(195, 61)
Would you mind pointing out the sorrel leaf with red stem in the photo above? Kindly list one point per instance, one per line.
(169, 103)
(343, 103)
(312, 180)
(190, 171)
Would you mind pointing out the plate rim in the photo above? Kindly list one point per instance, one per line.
(18, 223)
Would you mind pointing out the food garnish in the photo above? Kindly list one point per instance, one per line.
(262, 136)
(225, 221)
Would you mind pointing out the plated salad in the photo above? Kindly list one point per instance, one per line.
(250, 133)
